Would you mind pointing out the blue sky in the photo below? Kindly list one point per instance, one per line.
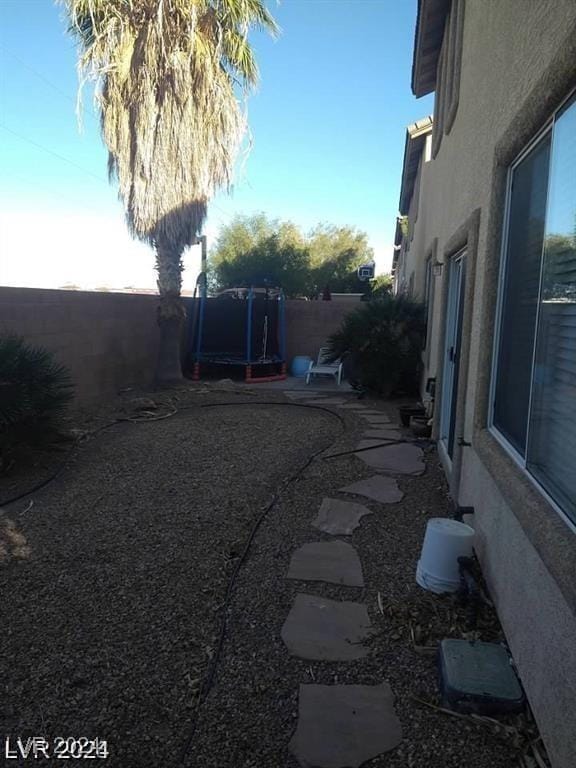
(327, 121)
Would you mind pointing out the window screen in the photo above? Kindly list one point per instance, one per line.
(520, 294)
(535, 377)
(552, 431)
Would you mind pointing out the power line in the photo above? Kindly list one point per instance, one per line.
(42, 77)
(55, 154)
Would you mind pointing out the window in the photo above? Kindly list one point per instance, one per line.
(448, 74)
(534, 386)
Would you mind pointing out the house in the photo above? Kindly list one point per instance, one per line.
(487, 238)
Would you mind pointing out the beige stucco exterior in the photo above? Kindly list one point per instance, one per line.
(518, 63)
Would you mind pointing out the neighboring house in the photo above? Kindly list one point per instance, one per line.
(489, 189)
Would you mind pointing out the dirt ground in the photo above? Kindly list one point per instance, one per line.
(113, 587)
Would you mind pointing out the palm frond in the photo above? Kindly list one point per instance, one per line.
(171, 79)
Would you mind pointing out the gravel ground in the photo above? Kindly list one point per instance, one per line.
(113, 584)
(252, 711)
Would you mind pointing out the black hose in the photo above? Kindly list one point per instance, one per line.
(61, 468)
(420, 442)
(209, 678)
(211, 672)
(58, 472)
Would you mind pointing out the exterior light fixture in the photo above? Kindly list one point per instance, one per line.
(437, 268)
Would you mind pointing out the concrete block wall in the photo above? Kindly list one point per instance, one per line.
(109, 341)
(309, 323)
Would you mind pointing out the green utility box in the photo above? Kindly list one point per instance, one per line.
(478, 677)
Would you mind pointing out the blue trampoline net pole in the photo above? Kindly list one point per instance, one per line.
(249, 327)
(283, 327)
(196, 372)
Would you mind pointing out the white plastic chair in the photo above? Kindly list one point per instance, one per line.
(323, 368)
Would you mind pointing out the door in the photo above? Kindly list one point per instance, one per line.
(452, 344)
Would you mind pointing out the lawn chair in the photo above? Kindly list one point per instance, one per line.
(324, 368)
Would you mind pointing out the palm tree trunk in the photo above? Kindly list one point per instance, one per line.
(171, 315)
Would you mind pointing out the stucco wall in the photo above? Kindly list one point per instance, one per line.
(539, 623)
(109, 341)
(518, 63)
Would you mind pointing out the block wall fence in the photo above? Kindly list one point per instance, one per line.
(109, 341)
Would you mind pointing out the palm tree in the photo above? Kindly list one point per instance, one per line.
(172, 77)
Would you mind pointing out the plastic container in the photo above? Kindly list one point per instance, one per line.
(300, 365)
(444, 542)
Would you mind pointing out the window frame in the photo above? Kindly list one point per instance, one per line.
(519, 460)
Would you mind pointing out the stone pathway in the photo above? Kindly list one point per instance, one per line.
(325, 401)
(339, 518)
(402, 459)
(382, 433)
(336, 562)
(326, 630)
(377, 487)
(343, 726)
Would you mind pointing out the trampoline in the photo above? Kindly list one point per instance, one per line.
(232, 333)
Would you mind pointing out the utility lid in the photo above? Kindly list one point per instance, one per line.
(479, 676)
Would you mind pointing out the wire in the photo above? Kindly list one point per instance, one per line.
(51, 152)
(42, 77)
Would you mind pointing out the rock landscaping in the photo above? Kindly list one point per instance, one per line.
(117, 602)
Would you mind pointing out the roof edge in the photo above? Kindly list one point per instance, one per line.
(428, 35)
(414, 146)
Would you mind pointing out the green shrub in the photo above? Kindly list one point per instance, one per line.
(382, 343)
(34, 393)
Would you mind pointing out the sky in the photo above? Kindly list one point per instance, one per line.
(327, 121)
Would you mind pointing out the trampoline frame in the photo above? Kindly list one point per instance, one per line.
(248, 362)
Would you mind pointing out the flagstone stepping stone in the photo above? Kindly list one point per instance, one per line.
(299, 395)
(343, 726)
(327, 401)
(326, 630)
(405, 459)
(382, 434)
(334, 561)
(375, 420)
(340, 518)
(378, 487)
(354, 407)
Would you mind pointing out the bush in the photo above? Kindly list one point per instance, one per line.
(34, 393)
(382, 344)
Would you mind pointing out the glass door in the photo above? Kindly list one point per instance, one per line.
(452, 344)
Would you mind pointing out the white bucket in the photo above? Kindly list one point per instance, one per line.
(444, 542)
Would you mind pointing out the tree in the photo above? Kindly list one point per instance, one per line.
(335, 255)
(255, 250)
(269, 262)
(328, 256)
(169, 75)
(382, 341)
(381, 286)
